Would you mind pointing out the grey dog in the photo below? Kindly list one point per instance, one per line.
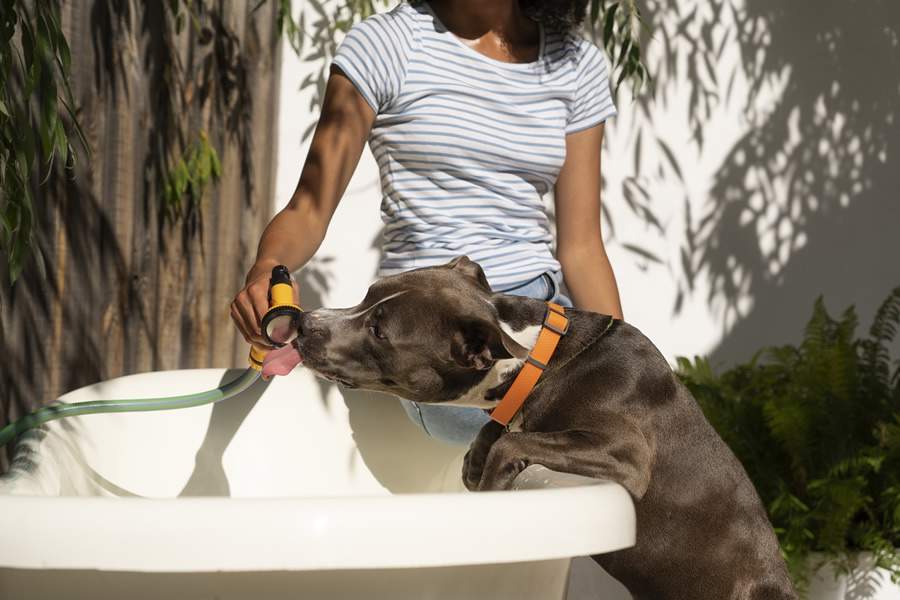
(608, 406)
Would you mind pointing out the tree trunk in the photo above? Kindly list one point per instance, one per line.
(127, 290)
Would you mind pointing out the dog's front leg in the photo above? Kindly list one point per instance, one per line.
(621, 455)
(476, 456)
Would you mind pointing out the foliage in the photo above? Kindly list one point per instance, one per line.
(817, 427)
(198, 67)
(190, 176)
(621, 38)
(38, 116)
(185, 166)
(34, 85)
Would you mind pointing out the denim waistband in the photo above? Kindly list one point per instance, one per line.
(545, 286)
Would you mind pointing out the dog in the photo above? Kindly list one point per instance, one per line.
(607, 406)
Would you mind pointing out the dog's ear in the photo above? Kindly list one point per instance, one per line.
(478, 344)
(468, 267)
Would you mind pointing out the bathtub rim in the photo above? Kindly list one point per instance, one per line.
(189, 536)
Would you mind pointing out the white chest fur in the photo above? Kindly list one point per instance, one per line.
(516, 423)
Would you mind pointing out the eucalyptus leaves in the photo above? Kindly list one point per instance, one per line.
(34, 89)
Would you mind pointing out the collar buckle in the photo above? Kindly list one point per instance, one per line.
(555, 313)
(540, 365)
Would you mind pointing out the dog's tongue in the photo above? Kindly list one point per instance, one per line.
(281, 361)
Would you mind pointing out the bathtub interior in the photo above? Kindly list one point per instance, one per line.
(292, 436)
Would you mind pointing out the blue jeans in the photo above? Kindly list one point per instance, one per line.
(460, 424)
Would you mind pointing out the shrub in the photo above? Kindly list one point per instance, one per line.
(817, 427)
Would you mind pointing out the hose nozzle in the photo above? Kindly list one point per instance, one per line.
(281, 322)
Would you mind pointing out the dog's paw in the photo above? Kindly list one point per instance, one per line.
(471, 473)
(502, 477)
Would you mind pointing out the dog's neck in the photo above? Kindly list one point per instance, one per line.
(519, 312)
(521, 319)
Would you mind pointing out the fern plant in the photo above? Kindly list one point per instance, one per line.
(817, 427)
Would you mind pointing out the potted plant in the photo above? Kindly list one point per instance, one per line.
(817, 427)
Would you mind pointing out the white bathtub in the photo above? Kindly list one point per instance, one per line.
(293, 490)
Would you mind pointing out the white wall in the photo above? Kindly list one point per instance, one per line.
(789, 195)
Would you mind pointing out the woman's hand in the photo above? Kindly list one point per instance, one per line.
(252, 302)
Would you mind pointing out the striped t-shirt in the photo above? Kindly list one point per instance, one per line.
(467, 145)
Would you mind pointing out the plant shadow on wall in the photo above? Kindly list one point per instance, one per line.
(315, 281)
(804, 202)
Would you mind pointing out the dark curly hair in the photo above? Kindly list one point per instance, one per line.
(561, 15)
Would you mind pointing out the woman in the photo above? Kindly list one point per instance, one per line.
(474, 111)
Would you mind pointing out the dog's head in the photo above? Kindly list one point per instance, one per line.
(427, 335)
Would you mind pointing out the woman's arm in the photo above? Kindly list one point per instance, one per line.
(296, 232)
(579, 245)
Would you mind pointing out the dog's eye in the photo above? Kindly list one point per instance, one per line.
(374, 330)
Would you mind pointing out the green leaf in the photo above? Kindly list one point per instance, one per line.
(622, 53)
(65, 56)
(595, 10)
(610, 21)
(216, 164)
(61, 141)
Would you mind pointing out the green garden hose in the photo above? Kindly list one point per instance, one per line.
(61, 410)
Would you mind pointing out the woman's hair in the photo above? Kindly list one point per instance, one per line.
(561, 15)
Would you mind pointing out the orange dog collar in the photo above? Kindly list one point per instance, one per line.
(555, 325)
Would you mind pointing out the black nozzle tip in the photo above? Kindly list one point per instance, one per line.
(280, 274)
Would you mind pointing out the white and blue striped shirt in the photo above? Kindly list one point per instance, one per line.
(467, 145)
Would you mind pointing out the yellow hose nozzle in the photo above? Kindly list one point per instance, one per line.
(280, 323)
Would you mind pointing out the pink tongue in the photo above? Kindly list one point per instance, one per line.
(281, 361)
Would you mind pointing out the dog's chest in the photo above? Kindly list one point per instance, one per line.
(516, 424)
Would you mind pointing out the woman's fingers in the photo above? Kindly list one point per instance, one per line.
(259, 299)
(245, 310)
(239, 322)
(248, 316)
